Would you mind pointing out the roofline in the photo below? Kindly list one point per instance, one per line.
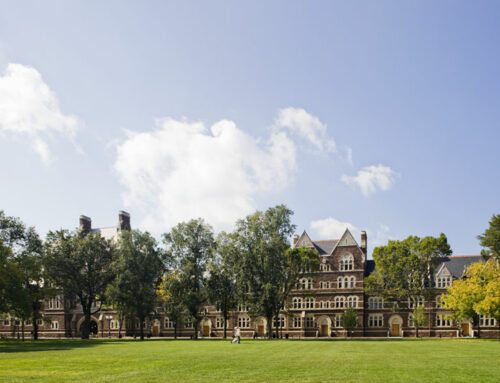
(325, 240)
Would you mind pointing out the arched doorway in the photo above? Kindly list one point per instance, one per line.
(396, 325)
(156, 327)
(206, 327)
(324, 324)
(260, 326)
(94, 326)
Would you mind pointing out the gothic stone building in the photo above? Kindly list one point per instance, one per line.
(315, 309)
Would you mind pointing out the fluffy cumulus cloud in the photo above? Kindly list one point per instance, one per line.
(306, 127)
(183, 170)
(371, 179)
(330, 228)
(29, 109)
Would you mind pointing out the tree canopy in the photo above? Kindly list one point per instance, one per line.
(405, 268)
(80, 264)
(490, 239)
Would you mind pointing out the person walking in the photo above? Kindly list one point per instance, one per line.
(236, 335)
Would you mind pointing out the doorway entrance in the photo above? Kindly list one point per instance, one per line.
(206, 330)
(324, 330)
(396, 329)
(465, 329)
(260, 330)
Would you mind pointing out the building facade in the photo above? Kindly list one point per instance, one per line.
(315, 308)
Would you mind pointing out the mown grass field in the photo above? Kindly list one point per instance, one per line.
(385, 361)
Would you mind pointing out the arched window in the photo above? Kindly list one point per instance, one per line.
(352, 282)
(309, 283)
(414, 302)
(346, 282)
(309, 303)
(346, 262)
(352, 301)
(321, 285)
(375, 303)
(297, 303)
(303, 283)
(339, 282)
(339, 302)
(439, 304)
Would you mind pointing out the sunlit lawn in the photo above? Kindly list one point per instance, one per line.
(444, 360)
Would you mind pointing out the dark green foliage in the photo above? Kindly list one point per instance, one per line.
(490, 239)
(191, 246)
(405, 268)
(350, 320)
(82, 266)
(139, 266)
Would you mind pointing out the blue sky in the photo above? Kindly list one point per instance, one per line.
(380, 116)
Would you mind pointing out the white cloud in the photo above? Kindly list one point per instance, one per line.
(380, 236)
(330, 228)
(305, 126)
(29, 108)
(372, 178)
(182, 170)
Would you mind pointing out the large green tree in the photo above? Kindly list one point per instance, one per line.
(490, 239)
(139, 266)
(170, 293)
(266, 270)
(26, 291)
(191, 246)
(405, 268)
(80, 264)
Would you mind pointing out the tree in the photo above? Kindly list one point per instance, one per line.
(477, 292)
(139, 266)
(350, 320)
(405, 268)
(419, 318)
(171, 294)
(265, 271)
(80, 264)
(490, 239)
(26, 291)
(191, 246)
(298, 262)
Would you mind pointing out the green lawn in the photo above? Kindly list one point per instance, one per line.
(385, 361)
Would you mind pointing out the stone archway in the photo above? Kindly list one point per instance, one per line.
(94, 325)
(206, 327)
(396, 325)
(324, 325)
(261, 326)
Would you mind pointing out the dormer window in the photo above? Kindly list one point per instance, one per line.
(346, 262)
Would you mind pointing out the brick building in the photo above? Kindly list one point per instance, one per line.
(315, 309)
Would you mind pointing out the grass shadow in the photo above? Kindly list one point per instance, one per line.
(13, 346)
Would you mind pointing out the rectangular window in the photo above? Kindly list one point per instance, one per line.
(338, 321)
(219, 322)
(297, 322)
(375, 320)
(309, 322)
(188, 322)
(54, 325)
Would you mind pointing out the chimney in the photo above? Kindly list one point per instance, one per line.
(295, 239)
(364, 245)
(124, 220)
(85, 223)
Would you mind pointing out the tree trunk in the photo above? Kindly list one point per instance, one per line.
(35, 329)
(416, 332)
(175, 329)
(195, 323)
(22, 326)
(225, 326)
(269, 327)
(86, 324)
(142, 329)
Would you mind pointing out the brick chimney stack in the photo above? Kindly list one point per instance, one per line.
(295, 239)
(364, 242)
(85, 223)
(124, 220)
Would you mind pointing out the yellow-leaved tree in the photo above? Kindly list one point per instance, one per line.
(477, 293)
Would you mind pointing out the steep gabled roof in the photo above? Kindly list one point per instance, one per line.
(348, 240)
(304, 241)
